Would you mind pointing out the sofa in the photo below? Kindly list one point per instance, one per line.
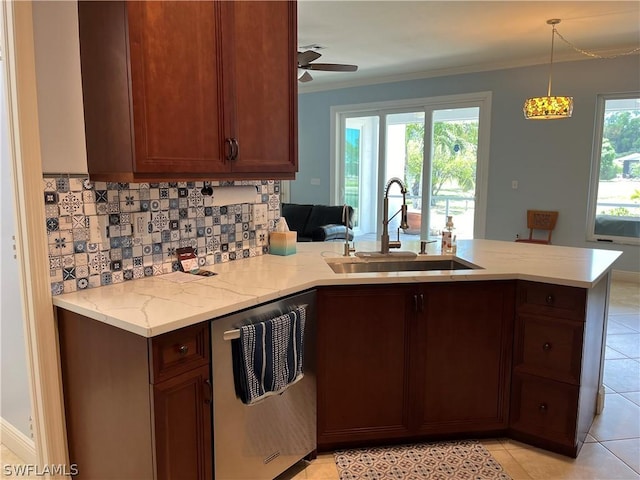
(316, 223)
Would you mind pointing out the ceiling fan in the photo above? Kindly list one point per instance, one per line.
(304, 64)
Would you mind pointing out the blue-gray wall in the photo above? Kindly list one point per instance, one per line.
(550, 159)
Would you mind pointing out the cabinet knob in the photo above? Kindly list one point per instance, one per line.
(550, 300)
(546, 347)
(183, 350)
(543, 408)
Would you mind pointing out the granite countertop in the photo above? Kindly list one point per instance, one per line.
(155, 305)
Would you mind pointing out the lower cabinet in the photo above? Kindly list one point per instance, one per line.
(394, 362)
(136, 407)
(363, 357)
(462, 349)
(183, 426)
(558, 350)
(403, 361)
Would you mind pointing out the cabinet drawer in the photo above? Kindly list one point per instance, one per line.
(549, 347)
(551, 300)
(544, 408)
(179, 351)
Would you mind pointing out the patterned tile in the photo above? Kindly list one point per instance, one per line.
(180, 215)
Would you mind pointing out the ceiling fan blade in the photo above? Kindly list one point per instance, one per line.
(309, 56)
(332, 67)
(305, 77)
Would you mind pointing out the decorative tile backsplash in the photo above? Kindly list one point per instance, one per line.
(99, 233)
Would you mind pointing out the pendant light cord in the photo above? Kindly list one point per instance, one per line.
(588, 53)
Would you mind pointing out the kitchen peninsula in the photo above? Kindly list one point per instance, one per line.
(512, 348)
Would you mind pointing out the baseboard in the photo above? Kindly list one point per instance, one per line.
(16, 441)
(625, 276)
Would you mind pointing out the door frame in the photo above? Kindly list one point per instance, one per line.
(40, 325)
(477, 99)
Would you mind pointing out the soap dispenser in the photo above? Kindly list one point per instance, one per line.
(448, 238)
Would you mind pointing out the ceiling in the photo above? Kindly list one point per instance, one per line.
(397, 40)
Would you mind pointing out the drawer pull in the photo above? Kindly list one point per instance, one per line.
(546, 347)
(543, 408)
(183, 350)
(550, 300)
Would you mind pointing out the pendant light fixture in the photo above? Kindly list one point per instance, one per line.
(549, 107)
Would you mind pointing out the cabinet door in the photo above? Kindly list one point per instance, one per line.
(462, 357)
(363, 356)
(182, 410)
(176, 88)
(260, 44)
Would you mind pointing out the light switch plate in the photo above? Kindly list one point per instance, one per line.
(98, 228)
(260, 214)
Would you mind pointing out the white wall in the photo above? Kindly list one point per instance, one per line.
(15, 403)
(550, 159)
(61, 118)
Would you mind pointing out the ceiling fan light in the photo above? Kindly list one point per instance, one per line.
(547, 108)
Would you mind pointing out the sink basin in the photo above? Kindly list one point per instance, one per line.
(419, 264)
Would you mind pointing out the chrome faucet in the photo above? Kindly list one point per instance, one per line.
(384, 239)
(348, 250)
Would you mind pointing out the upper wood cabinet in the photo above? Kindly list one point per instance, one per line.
(185, 90)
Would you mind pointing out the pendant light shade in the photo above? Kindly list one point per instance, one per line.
(549, 107)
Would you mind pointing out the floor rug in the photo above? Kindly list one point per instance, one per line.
(459, 460)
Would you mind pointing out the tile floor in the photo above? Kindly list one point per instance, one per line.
(612, 450)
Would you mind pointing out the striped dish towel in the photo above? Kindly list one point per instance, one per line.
(268, 357)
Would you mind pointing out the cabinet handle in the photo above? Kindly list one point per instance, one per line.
(208, 391)
(546, 347)
(230, 150)
(183, 350)
(233, 149)
(418, 302)
(236, 147)
(543, 408)
(550, 300)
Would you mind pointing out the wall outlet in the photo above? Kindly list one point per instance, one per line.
(514, 184)
(315, 181)
(140, 223)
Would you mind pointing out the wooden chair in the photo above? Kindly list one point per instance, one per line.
(540, 220)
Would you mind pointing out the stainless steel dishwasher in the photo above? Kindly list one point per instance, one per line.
(260, 441)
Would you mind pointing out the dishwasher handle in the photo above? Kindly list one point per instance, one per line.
(235, 334)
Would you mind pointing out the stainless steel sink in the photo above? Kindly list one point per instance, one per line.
(400, 265)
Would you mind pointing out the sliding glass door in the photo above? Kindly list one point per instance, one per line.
(439, 149)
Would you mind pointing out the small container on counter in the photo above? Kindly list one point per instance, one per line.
(448, 238)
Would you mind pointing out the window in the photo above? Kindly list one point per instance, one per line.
(614, 200)
(438, 146)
